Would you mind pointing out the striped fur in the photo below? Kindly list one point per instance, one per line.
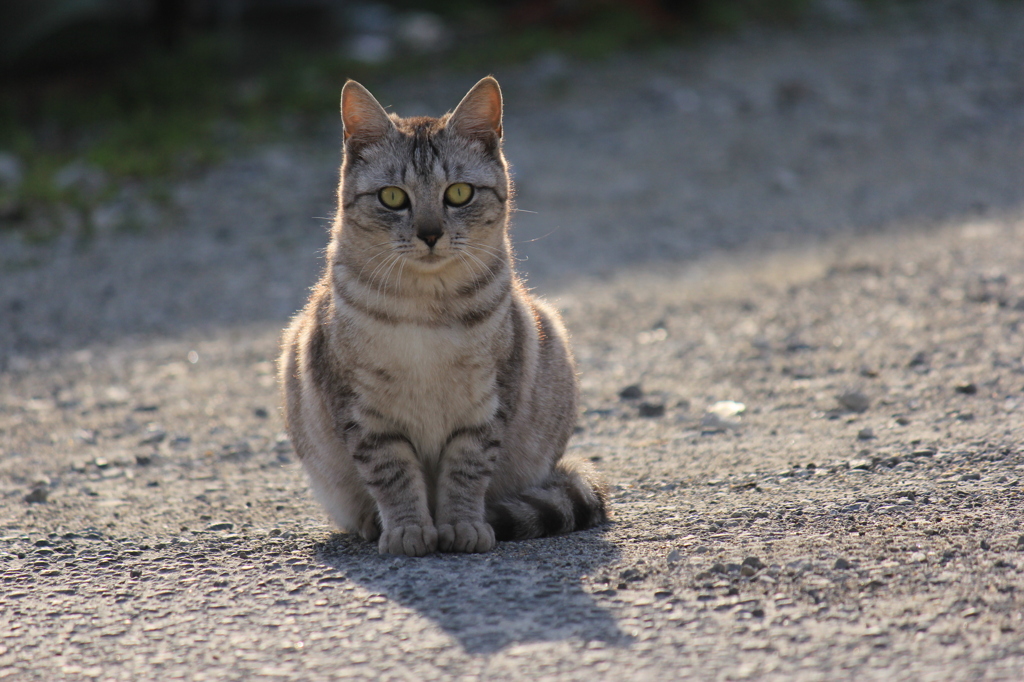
(428, 395)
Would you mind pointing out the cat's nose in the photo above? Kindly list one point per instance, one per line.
(430, 234)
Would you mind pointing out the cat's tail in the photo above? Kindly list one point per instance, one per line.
(575, 497)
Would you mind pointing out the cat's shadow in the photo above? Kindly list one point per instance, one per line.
(520, 592)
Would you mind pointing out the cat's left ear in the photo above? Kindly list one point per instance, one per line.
(479, 113)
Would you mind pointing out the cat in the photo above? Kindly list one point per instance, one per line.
(428, 395)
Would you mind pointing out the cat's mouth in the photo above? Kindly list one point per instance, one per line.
(432, 258)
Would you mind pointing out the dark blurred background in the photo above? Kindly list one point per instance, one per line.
(96, 93)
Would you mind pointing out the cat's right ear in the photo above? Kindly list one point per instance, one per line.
(364, 118)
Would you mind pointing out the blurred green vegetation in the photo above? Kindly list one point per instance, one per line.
(155, 113)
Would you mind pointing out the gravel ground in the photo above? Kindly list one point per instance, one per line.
(792, 266)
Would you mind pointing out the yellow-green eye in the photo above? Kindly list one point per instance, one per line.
(393, 197)
(458, 194)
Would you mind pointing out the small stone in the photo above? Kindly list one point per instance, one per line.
(747, 571)
(923, 452)
(101, 463)
(261, 413)
(674, 556)
(855, 401)
(753, 562)
(722, 416)
(717, 568)
(727, 409)
(154, 437)
(1020, 542)
(920, 359)
(867, 433)
(631, 392)
(220, 526)
(984, 545)
(971, 477)
(902, 421)
(87, 436)
(651, 409)
(862, 464)
(38, 495)
(966, 389)
(143, 460)
(842, 565)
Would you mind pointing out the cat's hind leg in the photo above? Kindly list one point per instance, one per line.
(574, 497)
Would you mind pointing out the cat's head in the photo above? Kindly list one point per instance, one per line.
(433, 191)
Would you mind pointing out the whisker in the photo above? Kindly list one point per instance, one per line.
(384, 280)
(375, 257)
(537, 239)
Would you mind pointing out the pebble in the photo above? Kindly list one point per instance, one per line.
(842, 565)
(674, 556)
(631, 392)
(966, 389)
(154, 438)
(722, 415)
(920, 359)
(87, 436)
(1020, 542)
(38, 495)
(985, 545)
(855, 401)
(651, 409)
(220, 526)
(863, 464)
(727, 409)
(867, 433)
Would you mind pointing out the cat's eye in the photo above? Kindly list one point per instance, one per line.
(393, 197)
(458, 194)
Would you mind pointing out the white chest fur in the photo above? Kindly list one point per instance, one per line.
(426, 381)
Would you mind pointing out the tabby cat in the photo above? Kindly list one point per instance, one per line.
(428, 395)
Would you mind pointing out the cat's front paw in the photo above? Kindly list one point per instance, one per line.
(408, 540)
(465, 536)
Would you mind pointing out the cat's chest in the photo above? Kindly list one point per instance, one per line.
(429, 381)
